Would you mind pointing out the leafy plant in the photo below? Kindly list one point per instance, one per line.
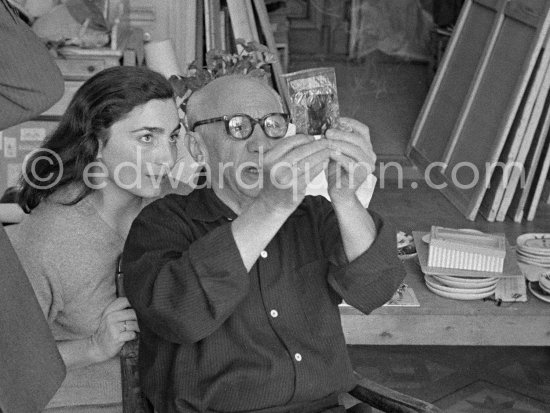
(250, 61)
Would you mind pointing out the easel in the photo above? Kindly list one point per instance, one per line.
(242, 14)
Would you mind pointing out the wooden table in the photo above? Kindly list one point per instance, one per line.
(443, 321)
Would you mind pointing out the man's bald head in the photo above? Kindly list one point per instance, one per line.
(212, 99)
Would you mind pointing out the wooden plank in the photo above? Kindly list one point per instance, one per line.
(443, 321)
(452, 81)
(542, 173)
(270, 40)
(446, 330)
(213, 27)
(525, 11)
(527, 116)
(208, 29)
(242, 20)
(492, 112)
(522, 132)
(354, 17)
(183, 20)
(473, 91)
(519, 200)
(199, 33)
(534, 126)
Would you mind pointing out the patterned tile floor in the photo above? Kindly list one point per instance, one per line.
(462, 379)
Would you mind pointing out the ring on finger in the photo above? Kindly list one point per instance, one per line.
(125, 326)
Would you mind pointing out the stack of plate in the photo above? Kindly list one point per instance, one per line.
(461, 288)
(534, 249)
(541, 289)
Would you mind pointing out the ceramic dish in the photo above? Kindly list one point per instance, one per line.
(468, 279)
(460, 296)
(536, 256)
(544, 280)
(529, 260)
(538, 292)
(531, 272)
(476, 290)
(534, 243)
(534, 253)
(466, 283)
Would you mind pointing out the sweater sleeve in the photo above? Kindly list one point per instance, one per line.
(30, 82)
(371, 279)
(182, 287)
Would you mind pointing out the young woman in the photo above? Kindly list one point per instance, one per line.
(83, 188)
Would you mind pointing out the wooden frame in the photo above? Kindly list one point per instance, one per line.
(244, 26)
(519, 200)
(457, 128)
(542, 173)
(504, 180)
(242, 20)
(537, 123)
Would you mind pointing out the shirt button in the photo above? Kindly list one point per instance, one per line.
(263, 254)
(298, 357)
(274, 313)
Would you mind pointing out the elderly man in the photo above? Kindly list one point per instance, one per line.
(237, 285)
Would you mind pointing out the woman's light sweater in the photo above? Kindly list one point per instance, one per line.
(70, 255)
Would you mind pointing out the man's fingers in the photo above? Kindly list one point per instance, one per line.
(357, 153)
(358, 169)
(310, 163)
(300, 153)
(284, 146)
(287, 171)
(357, 126)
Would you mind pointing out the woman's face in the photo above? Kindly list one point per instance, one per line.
(141, 148)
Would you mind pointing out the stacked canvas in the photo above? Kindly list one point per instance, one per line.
(483, 129)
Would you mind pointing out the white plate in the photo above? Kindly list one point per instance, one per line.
(530, 271)
(534, 242)
(433, 282)
(529, 260)
(544, 281)
(460, 296)
(426, 238)
(529, 253)
(466, 283)
(535, 289)
(467, 279)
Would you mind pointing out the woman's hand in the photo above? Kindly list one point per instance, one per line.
(118, 325)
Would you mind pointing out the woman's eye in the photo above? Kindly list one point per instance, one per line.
(174, 138)
(146, 138)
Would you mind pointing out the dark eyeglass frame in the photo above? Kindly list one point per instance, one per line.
(253, 121)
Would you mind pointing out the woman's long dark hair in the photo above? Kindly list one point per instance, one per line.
(101, 101)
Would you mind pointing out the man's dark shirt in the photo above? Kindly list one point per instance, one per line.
(216, 338)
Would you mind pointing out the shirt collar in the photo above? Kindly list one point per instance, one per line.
(204, 205)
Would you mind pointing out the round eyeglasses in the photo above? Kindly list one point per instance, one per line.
(240, 126)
